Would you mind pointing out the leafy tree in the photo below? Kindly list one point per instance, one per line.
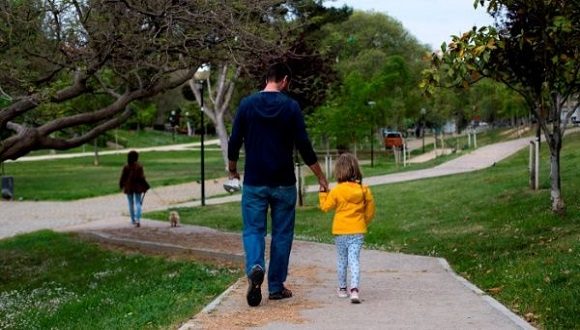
(55, 53)
(534, 49)
(379, 62)
(493, 101)
(312, 71)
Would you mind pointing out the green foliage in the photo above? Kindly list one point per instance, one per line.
(145, 114)
(378, 62)
(51, 281)
(533, 49)
(362, 105)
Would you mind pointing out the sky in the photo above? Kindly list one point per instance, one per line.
(431, 21)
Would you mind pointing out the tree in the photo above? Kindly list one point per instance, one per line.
(534, 49)
(378, 61)
(58, 52)
(312, 71)
(348, 116)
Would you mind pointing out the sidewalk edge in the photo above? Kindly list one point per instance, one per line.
(209, 308)
(520, 322)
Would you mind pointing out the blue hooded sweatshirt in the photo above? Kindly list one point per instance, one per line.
(270, 125)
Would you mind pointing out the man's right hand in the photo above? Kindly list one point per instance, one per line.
(234, 175)
(233, 170)
(323, 184)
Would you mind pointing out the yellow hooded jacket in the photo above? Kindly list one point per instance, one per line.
(354, 204)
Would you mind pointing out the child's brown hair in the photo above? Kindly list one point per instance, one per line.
(347, 169)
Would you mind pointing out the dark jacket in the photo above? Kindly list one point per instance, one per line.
(133, 179)
(270, 125)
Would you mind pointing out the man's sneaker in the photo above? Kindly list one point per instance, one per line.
(354, 296)
(255, 279)
(342, 293)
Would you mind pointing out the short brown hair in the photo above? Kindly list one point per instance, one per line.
(347, 168)
(278, 71)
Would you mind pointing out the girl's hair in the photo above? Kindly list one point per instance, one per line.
(132, 157)
(347, 169)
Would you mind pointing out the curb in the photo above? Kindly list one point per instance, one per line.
(193, 322)
(157, 246)
(521, 323)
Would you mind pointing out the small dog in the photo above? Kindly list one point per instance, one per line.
(174, 218)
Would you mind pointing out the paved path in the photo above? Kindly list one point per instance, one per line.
(398, 291)
(171, 147)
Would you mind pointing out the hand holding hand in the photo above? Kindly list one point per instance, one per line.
(323, 184)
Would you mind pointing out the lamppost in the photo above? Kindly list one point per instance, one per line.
(201, 75)
(423, 112)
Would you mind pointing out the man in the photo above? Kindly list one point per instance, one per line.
(270, 125)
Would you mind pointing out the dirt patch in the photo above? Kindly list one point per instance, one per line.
(224, 249)
(234, 313)
(215, 241)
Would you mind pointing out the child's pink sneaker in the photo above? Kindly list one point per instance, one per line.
(354, 298)
(342, 293)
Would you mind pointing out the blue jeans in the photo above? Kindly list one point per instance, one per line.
(282, 203)
(134, 200)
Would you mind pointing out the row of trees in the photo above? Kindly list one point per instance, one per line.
(73, 69)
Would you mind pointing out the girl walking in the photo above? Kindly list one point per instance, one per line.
(355, 208)
(134, 185)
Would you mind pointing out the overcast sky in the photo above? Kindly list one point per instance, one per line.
(430, 21)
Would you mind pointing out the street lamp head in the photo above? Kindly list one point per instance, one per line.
(423, 111)
(371, 103)
(202, 73)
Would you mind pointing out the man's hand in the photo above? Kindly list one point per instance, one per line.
(233, 170)
(317, 170)
(323, 184)
(234, 175)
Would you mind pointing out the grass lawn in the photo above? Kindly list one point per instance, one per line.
(489, 225)
(56, 281)
(149, 138)
(75, 178)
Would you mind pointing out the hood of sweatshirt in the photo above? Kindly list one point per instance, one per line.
(269, 104)
(352, 192)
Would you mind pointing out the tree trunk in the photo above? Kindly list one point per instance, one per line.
(222, 134)
(220, 97)
(555, 144)
(96, 158)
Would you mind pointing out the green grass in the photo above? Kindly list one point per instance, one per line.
(148, 138)
(489, 225)
(75, 178)
(56, 281)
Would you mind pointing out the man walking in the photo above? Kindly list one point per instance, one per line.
(270, 125)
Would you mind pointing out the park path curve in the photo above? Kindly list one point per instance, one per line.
(399, 291)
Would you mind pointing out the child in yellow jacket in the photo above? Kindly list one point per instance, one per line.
(355, 208)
